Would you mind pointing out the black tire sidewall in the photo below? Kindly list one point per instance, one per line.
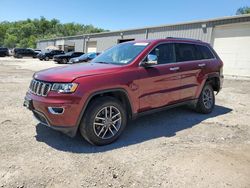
(86, 127)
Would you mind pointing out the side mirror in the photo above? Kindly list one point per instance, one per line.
(151, 60)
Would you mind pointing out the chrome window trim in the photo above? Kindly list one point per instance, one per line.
(177, 62)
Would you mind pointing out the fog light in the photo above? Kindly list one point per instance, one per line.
(56, 110)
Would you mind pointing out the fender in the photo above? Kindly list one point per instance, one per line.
(98, 93)
(206, 78)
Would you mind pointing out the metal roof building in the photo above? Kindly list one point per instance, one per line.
(230, 36)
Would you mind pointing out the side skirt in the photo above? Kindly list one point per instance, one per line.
(191, 103)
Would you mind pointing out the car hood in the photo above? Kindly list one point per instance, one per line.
(69, 73)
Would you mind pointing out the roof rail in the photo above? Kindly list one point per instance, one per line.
(179, 38)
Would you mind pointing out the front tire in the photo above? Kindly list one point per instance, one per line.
(104, 121)
(206, 100)
(46, 58)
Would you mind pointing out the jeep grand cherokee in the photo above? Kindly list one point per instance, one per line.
(126, 81)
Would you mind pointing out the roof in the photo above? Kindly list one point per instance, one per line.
(152, 27)
(167, 39)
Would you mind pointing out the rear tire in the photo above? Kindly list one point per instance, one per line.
(104, 121)
(206, 100)
(64, 61)
(46, 58)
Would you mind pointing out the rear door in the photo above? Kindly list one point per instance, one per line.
(159, 84)
(192, 69)
(52, 53)
(194, 61)
(29, 52)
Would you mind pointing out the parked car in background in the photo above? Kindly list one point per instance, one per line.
(24, 52)
(38, 51)
(84, 58)
(4, 52)
(126, 81)
(49, 54)
(64, 58)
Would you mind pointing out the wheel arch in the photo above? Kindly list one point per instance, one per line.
(119, 93)
(214, 80)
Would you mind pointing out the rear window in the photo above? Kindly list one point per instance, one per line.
(3, 49)
(205, 52)
(187, 52)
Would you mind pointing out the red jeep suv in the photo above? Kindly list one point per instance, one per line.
(126, 81)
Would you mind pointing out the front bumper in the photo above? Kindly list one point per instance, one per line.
(221, 82)
(66, 121)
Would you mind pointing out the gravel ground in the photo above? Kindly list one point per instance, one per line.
(174, 148)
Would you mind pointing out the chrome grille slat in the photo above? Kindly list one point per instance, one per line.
(42, 88)
(39, 88)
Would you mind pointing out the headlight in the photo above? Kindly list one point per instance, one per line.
(64, 87)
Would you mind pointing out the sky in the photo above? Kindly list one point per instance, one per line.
(118, 14)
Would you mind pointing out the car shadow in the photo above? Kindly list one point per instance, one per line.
(161, 124)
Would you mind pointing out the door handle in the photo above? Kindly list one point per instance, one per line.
(174, 68)
(202, 65)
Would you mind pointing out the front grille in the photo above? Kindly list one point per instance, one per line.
(39, 88)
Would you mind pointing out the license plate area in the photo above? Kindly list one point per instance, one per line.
(28, 103)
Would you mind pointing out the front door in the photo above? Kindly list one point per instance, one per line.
(159, 84)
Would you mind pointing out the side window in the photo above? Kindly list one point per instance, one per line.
(205, 52)
(186, 52)
(165, 53)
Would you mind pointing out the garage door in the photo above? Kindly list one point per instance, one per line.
(91, 46)
(232, 43)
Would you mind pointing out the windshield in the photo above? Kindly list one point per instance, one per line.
(121, 54)
(85, 56)
(69, 53)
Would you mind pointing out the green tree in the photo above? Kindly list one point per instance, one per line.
(26, 33)
(243, 10)
(10, 41)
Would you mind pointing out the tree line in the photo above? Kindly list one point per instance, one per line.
(24, 34)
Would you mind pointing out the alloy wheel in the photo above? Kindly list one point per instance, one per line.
(107, 122)
(207, 98)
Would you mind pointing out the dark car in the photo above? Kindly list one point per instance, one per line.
(49, 54)
(84, 58)
(66, 57)
(38, 51)
(4, 52)
(24, 52)
(126, 81)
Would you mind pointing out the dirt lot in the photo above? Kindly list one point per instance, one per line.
(175, 148)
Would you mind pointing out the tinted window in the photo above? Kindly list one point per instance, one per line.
(164, 53)
(187, 52)
(205, 52)
(78, 53)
